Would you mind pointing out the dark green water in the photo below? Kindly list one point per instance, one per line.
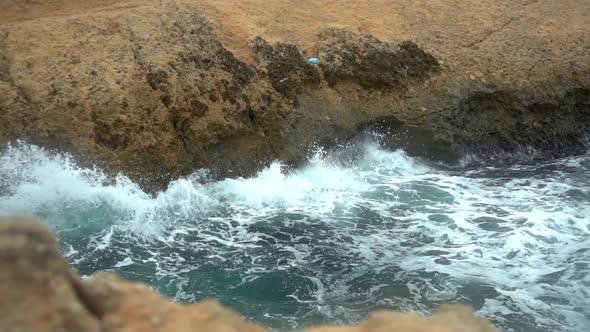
(329, 243)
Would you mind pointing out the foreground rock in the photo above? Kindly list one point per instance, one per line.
(40, 294)
(450, 318)
(157, 89)
(123, 306)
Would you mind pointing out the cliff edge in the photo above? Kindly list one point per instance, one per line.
(40, 294)
(157, 89)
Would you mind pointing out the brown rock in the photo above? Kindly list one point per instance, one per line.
(37, 291)
(124, 306)
(370, 62)
(450, 318)
(157, 89)
(285, 66)
(40, 294)
(148, 90)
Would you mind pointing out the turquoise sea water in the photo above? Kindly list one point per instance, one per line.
(334, 240)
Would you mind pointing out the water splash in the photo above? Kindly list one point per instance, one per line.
(331, 241)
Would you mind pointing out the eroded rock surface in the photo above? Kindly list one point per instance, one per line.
(370, 62)
(505, 122)
(149, 91)
(40, 294)
(158, 89)
(285, 66)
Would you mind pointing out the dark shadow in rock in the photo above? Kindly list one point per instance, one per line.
(285, 66)
(372, 63)
(392, 133)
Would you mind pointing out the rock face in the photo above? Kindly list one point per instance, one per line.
(157, 89)
(285, 66)
(149, 92)
(366, 60)
(503, 121)
(123, 306)
(449, 318)
(40, 294)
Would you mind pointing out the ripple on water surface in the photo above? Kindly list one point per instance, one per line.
(328, 242)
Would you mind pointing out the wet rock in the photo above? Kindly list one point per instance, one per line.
(502, 124)
(156, 98)
(370, 62)
(417, 140)
(155, 91)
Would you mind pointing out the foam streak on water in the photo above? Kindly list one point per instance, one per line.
(328, 242)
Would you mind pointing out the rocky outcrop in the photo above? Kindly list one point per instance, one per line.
(123, 306)
(369, 62)
(40, 294)
(285, 66)
(151, 93)
(159, 89)
(504, 121)
(449, 318)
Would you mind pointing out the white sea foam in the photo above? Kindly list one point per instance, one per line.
(387, 211)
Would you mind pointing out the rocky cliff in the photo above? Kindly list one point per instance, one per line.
(40, 294)
(157, 89)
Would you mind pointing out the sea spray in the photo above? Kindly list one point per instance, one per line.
(331, 241)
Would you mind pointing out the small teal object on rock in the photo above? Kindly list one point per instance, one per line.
(313, 61)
